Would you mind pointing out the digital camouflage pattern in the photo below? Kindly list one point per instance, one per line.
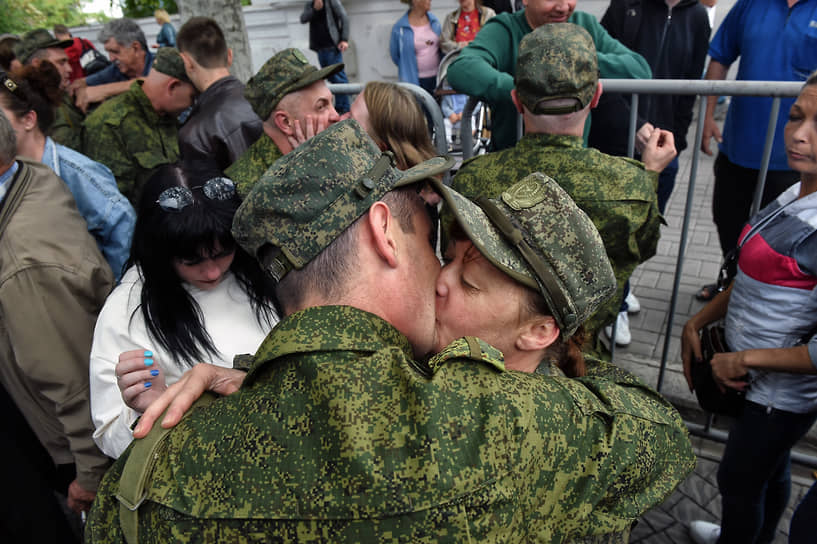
(67, 126)
(285, 72)
(251, 165)
(127, 135)
(169, 62)
(34, 40)
(337, 434)
(618, 195)
(312, 194)
(538, 218)
(556, 61)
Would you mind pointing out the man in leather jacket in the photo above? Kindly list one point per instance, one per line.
(222, 124)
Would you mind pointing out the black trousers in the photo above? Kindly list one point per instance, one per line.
(733, 194)
(30, 509)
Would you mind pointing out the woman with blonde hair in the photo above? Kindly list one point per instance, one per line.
(392, 117)
(167, 33)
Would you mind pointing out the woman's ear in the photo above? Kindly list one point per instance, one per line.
(537, 334)
(29, 120)
(381, 225)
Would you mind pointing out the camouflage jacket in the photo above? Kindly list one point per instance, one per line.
(339, 435)
(616, 193)
(67, 127)
(253, 163)
(128, 136)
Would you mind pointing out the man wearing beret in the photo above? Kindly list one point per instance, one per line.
(342, 431)
(485, 68)
(557, 84)
(137, 131)
(292, 99)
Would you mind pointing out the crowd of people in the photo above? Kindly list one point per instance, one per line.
(258, 266)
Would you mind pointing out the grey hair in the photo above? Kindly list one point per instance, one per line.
(8, 141)
(125, 31)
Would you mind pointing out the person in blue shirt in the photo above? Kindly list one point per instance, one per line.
(167, 33)
(27, 99)
(776, 40)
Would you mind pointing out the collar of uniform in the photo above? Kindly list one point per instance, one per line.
(253, 163)
(553, 140)
(328, 328)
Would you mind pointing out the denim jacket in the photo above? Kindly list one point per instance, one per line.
(401, 47)
(109, 215)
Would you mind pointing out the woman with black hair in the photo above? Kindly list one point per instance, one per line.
(190, 295)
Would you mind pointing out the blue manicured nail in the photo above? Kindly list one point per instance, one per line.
(148, 353)
(148, 384)
(148, 362)
(154, 372)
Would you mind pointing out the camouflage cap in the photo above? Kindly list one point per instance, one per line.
(312, 194)
(286, 72)
(169, 62)
(34, 40)
(556, 61)
(537, 235)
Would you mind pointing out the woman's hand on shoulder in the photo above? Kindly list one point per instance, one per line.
(179, 397)
(140, 378)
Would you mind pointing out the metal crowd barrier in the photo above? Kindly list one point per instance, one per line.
(774, 89)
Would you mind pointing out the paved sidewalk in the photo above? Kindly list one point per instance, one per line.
(697, 497)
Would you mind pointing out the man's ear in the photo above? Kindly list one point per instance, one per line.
(189, 63)
(282, 122)
(381, 225)
(516, 101)
(596, 96)
(537, 334)
(229, 57)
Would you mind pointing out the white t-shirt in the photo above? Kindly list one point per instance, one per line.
(229, 319)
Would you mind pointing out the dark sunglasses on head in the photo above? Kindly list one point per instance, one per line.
(175, 199)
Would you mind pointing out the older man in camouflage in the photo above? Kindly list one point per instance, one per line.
(339, 433)
(556, 86)
(292, 98)
(138, 131)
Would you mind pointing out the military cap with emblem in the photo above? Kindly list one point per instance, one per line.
(556, 61)
(169, 62)
(286, 72)
(536, 234)
(312, 194)
(34, 40)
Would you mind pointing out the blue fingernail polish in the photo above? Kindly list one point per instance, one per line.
(148, 362)
(148, 384)
(154, 372)
(148, 353)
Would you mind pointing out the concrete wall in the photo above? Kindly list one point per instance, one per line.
(273, 26)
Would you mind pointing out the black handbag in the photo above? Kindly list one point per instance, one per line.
(710, 397)
(91, 60)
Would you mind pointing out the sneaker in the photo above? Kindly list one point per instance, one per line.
(633, 306)
(704, 532)
(623, 336)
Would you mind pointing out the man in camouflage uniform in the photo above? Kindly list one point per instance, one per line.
(290, 96)
(340, 433)
(137, 131)
(36, 46)
(556, 86)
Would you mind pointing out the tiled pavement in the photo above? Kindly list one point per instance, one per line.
(697, 497)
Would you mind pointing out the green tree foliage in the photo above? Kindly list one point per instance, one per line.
(19, 16)
(145, 8)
